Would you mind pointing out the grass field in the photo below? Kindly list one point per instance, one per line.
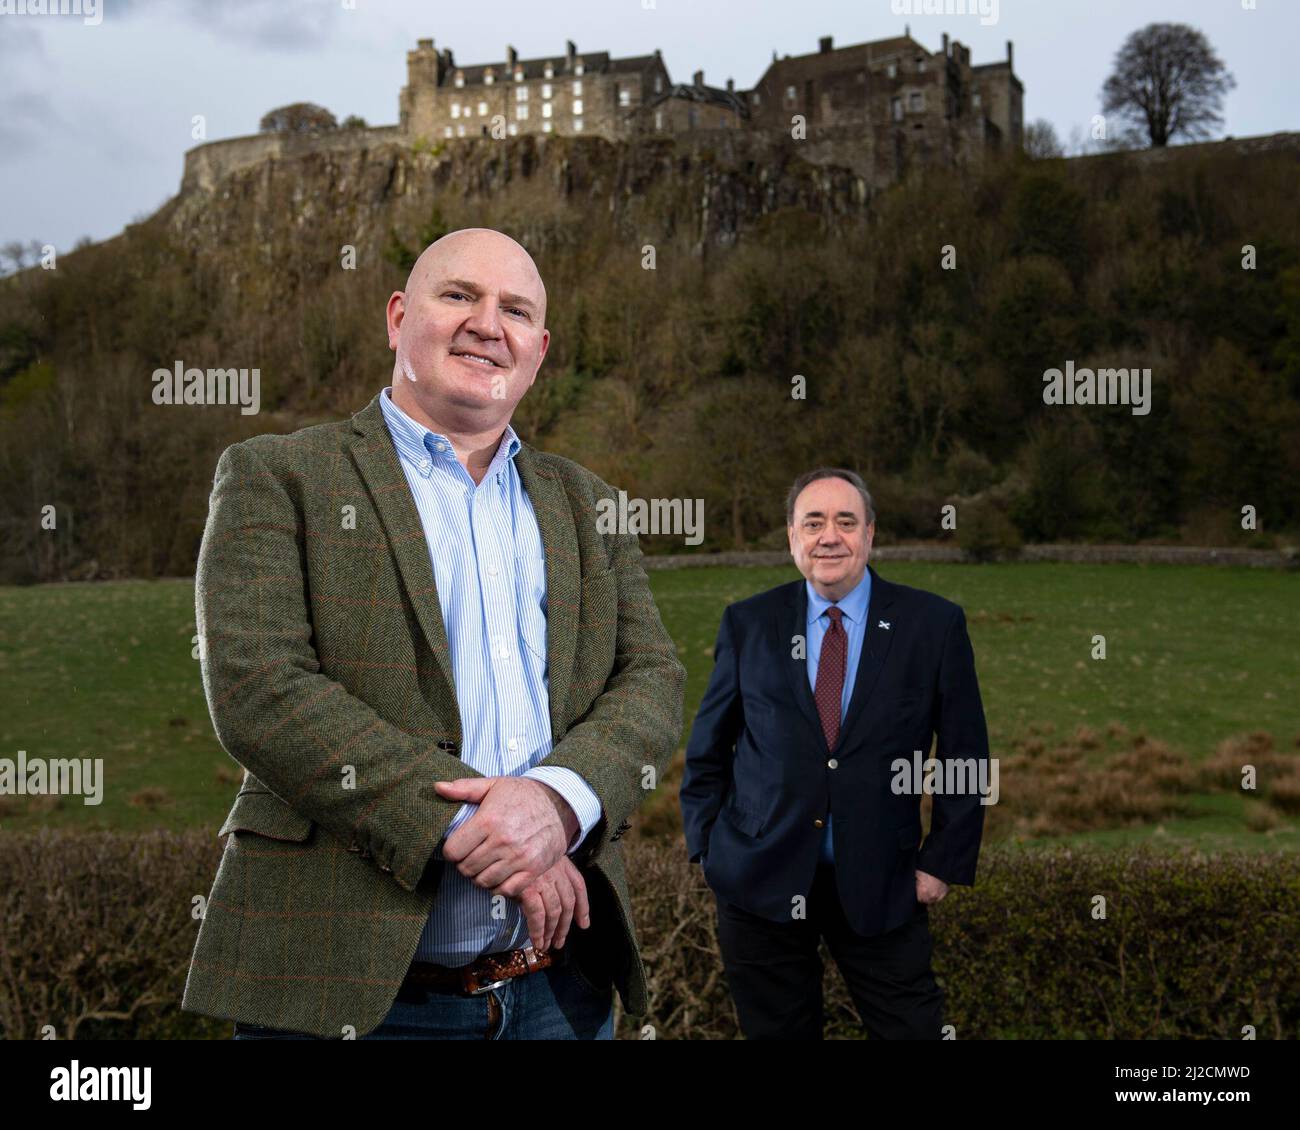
(1195, 656)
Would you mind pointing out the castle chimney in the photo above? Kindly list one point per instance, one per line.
(945, 45)
(731, 86)
(512, 57)
(824, 44)
(699, 80)
(425, 44)
(1010, 60)
(570, 50)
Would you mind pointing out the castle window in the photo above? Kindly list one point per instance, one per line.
(521, 94)
(577, 89)
(447, 133)
(512, 129)
(455, 109)
(790, 93)
(659, 119)
(548, 71)
(482, 109)
(460, 78)
(546, 109)
(891, 70)
(521, 112)
(546, 127)
(862, 77)
(659, 84)
(577, 105)
(577, 124)
(519, 74)
(488, 78)
(920, 66)
(692, 117)
(916, 101)
(460, 131)
(755, 97)
(975, 100)
(577, 70)
(625, 97)
(546, 90)
(896, 109)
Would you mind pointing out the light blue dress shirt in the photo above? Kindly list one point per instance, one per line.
(489, 566)
(854, 606)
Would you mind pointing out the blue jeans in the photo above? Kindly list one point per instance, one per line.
(555, 1003)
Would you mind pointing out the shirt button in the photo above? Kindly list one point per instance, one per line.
(492, 570)
(832, 764)
(512, 744)
(819, 823)
(426, 464)
(440, 446)
(504, 653)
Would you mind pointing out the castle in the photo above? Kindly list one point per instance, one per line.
(877, 107)
(895, 90)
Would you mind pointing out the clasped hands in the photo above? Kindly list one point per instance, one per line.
(515, 845)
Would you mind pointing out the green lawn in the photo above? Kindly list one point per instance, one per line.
(1194, 655)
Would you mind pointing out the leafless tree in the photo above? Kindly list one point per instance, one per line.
(1168, 82)
(1041, 140)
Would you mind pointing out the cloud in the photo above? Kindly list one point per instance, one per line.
(30, 119)
(277, 24)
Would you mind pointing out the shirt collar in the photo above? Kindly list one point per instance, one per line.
(417, 443)
(853, 604)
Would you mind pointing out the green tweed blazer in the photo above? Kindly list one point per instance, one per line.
(325, 664)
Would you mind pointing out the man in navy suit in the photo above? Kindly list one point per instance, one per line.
(799, 797)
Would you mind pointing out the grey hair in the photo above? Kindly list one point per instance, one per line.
(851, 477)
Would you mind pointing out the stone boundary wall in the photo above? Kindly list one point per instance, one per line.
(1074, 554)
(207, 164)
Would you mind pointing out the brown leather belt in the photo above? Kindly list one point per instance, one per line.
(485, 973)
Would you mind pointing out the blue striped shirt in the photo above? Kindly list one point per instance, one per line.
(489, 566)
(854, 606)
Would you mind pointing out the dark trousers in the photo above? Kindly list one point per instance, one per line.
(775, 974)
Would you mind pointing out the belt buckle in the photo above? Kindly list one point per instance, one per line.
(487, 988)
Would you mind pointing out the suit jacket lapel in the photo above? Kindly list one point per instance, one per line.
(563, 577)
(381, 469)
(875, 649)
(795, 661)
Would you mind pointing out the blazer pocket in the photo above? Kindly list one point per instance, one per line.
(265, 814)
(751, 823)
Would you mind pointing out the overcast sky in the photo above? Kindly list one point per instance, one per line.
(97, 117)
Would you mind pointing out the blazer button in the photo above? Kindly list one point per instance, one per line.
(450, 747)
(832, 764)
(354, 846)
(819, 823)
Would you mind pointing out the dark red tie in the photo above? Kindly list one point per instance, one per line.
(830, 676)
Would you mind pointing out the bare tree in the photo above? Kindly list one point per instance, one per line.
(1167, 81)
(298, 117)
(1041, 140)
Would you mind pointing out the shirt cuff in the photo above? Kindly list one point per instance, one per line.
(576, 792)
(466, 811)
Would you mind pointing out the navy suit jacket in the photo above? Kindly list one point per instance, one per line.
(760, 780)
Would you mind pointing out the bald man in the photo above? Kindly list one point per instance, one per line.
(444, 683)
